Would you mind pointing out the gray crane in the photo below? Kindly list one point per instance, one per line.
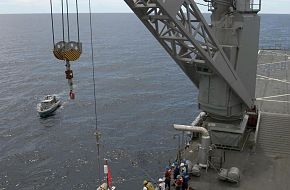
(219, 58)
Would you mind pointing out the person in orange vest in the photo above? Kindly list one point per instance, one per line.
(179, 182)
(167, 176)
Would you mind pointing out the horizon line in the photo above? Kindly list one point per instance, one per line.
(118, 13)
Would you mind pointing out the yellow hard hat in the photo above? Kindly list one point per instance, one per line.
(145, 182)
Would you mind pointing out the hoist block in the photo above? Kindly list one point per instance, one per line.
(69, 51)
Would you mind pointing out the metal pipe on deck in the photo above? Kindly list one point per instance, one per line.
(196, 129)
(203, 148)
(194, 126)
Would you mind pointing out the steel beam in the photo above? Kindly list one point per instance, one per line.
(181, 29)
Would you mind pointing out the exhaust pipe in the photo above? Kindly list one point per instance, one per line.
(195, 129)
(204, 147)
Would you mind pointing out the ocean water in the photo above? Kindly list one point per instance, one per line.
(140, 92)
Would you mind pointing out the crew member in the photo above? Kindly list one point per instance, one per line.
(167, 178)
(179, 182)
(161, 184)
(148, 185)
(176, 171)
(145, 183)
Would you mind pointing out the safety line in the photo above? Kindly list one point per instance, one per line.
(95, 99)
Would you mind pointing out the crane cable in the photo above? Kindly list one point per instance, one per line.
(63, 24)
(62, 20)
(78, 23)
(52, 23)
(67, 21)
(97, 132)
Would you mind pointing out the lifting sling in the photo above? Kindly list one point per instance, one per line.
(69, 50)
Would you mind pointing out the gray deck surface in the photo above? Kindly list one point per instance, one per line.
(273, 81)
(267, 166)
(273, 96)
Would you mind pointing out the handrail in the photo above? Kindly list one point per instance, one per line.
(257, 127)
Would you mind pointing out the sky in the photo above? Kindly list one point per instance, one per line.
(111, 6)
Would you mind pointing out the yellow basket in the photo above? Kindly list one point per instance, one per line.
(58, 50)
(69, 51)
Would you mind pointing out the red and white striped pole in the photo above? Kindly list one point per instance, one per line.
(106, 171)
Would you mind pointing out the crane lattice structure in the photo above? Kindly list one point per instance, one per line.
(220, 58)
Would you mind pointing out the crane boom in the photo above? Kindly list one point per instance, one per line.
(220, 59)
(183, 31)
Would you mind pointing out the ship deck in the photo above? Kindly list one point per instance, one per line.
(265, 164)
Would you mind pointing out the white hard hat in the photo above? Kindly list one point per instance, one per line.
(160, 180)
(182, 164)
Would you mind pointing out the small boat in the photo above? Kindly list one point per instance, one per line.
(47, 106)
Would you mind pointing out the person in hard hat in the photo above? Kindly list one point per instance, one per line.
(185, 176)
(145, 183)
(179, 182)
(161, 184)
(167, 178)
(176, 171)
(185, 182)
(182, 168)
(148, 185)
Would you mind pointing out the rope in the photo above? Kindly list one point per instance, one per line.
(62, 18)
(78, 24)
(95, 99)
(52, 24)
(67, 20)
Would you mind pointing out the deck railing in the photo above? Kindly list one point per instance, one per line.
(252, 6)
(255, 5)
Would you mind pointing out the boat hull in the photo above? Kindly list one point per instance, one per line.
(48, 112)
